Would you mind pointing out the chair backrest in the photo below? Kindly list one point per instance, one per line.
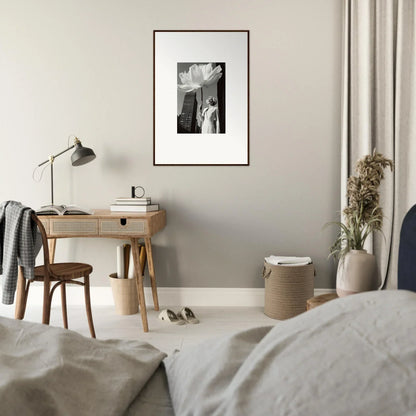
(44, 240)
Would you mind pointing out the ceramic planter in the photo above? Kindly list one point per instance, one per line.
(357, 272)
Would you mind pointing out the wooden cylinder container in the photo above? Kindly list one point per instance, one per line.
(124, 295)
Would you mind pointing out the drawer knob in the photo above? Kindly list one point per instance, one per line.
(123, 221)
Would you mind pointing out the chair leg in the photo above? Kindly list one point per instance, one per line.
(46, 313)
(21, 295)
(63, 301)
(88, 304)
(25, 299)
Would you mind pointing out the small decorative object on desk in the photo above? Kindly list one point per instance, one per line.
(137, 191)
(63, 210)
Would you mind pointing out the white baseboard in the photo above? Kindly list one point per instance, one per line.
(168, 296)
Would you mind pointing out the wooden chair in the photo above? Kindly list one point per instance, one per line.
(61, 273)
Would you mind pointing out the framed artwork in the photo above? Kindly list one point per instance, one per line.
(201, 97)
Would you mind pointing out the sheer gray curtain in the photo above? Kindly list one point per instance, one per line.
(379, 110)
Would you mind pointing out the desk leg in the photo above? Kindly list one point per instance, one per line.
(52, 246)
(148, 243)
(139, 282)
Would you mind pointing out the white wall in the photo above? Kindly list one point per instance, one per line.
(84, 67)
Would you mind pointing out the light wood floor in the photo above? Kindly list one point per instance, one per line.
(167, 337)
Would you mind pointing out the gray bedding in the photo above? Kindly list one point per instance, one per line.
(353, 356)
(53, 371)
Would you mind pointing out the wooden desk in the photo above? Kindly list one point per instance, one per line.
(106, 224)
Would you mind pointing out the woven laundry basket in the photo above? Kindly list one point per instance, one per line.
(124, 295)
(287, 288)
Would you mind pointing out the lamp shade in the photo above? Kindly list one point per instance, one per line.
(82, 155)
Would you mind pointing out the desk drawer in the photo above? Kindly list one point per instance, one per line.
(123, 226)
(45, 223)
(70, 227)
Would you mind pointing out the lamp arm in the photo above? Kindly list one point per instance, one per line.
(51, 158)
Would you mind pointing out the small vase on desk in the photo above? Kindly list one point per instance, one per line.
(357, 272)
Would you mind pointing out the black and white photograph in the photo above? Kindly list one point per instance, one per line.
(201, 97)
(204, 76)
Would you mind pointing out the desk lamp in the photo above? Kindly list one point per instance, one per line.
(81, 156)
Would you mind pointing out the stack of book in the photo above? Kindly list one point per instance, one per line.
(134, 205)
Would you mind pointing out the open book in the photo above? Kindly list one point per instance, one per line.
(62, 210)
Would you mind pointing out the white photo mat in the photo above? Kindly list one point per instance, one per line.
(173, 47)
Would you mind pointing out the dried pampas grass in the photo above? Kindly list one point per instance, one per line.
(363, 215)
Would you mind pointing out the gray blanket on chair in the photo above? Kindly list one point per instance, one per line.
(19, 244)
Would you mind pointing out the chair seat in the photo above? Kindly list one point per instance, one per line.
(64, 271)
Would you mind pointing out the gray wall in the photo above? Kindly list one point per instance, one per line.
(84, 67)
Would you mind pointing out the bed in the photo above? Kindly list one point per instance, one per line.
(351, 356)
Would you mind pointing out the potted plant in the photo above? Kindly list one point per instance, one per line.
(363, 215)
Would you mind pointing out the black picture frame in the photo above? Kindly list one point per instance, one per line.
(204, 74)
